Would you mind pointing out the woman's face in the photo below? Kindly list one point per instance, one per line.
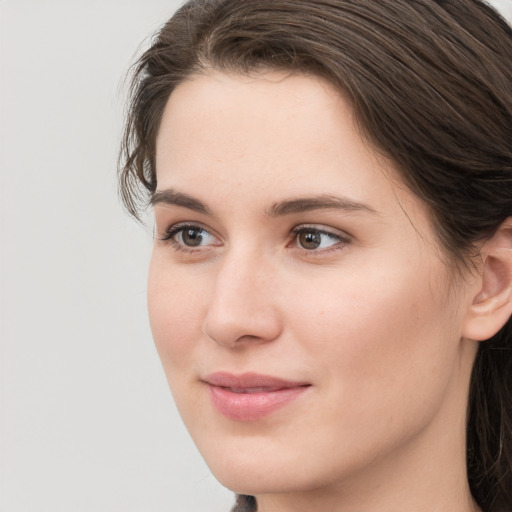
(308, 327)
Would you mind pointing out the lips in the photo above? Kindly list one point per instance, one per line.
(251, 396)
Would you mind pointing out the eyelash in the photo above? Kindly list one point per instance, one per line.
(341, 241)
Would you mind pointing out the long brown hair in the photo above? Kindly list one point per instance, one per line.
(430, 82)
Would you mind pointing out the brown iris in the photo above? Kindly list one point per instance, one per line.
(310, 239)
(192, 236)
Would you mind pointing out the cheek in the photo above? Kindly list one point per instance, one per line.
(175, 307)
(383, 338)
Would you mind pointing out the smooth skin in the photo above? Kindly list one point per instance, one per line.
(286, 245)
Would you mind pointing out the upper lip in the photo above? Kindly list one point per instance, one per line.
(250, 380)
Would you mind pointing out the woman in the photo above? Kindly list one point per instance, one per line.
(330, 287)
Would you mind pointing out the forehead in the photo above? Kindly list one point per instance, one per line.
(274, 119)
(271, 107)
(269, 137)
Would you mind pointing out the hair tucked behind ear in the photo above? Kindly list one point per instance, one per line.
(430, 82)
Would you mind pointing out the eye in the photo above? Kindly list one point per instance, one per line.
(189, 236)
(315, 239)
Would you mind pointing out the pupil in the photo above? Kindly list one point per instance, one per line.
(310, 240)
(192, 237)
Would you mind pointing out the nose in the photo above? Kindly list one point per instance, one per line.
(243, 308)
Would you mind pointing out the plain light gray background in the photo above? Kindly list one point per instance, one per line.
(87, 422)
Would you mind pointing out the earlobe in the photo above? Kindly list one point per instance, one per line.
(491, 306)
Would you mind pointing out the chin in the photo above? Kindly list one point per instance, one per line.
(266, 467)
(260, 480)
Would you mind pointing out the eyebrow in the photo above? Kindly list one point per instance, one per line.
(172, 197)
(278, 209)
(312, 203)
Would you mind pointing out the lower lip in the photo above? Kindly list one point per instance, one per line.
(252, 406)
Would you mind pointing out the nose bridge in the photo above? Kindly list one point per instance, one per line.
(242, 306)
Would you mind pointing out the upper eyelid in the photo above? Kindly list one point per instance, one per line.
(178, 226)
(338, 233)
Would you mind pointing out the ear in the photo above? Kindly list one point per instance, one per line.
(491, 306)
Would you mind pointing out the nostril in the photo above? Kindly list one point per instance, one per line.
(237, 330)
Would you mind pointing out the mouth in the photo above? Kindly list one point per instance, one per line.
(251, 396)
